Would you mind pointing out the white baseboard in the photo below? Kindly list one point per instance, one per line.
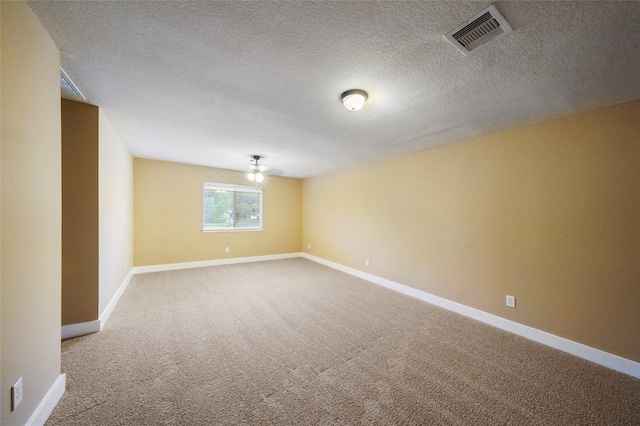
(114, 300)
(48, 403)
(82, 328)
(597, 356)
(69, 331)
(216, 262)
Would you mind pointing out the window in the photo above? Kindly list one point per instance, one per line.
(231, 207)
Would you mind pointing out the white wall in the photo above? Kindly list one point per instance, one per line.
(30, 213)
(115, 166)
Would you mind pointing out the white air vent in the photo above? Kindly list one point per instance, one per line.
(474, 32)
(68, 88)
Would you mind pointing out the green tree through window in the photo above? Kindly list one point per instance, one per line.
(228, 207)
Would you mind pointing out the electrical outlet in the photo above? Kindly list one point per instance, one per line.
(16, 394)
(366, 262)
(511, 301)
(309, 246)
(226, 249)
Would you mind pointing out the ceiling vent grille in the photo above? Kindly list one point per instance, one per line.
(486, 25)
(67, 88)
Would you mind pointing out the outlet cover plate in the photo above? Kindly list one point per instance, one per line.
(16, 394)
(511, 301)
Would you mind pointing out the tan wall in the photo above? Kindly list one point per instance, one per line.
(79, 212)
(1, 132)
(548, 213)
(116, 212)
(97, 212)
(30, 211)
(168, 215)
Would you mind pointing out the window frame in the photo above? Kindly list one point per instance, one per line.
(228, 187)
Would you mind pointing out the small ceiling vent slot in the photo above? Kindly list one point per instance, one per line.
(486, 25)
(67, 87)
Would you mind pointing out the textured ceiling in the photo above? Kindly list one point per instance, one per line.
(211, 83)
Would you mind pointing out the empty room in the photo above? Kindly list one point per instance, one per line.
(319, 212)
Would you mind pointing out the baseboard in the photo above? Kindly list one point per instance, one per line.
(69, 331)
(216, 262)
(48, 403)
(597, 356)
(80, 329)
(114, 300)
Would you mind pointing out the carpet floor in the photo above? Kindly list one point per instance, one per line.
(292, 342)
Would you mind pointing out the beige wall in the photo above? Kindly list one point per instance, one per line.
(1, 132)
(30, 211)
(548, 213)
(116, 212)
(168, 215)
(97, 215)
(79, 212)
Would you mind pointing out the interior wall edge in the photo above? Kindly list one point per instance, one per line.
(70, 331)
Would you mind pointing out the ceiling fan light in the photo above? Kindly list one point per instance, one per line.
(354, 99)
(255, 175)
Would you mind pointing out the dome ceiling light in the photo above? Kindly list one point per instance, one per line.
(354, 99)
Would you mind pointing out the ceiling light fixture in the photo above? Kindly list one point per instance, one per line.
(354, 99)
(255, 175)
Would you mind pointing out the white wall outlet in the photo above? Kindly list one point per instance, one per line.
(226, 249)
(366, 262)
(511, 301)
(309, 246)
(16, 394)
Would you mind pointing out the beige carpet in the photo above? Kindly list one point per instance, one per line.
(291, 342)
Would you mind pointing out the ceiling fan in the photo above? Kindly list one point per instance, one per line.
(259, 171)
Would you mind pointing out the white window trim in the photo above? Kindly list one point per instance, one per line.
(232, 187)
